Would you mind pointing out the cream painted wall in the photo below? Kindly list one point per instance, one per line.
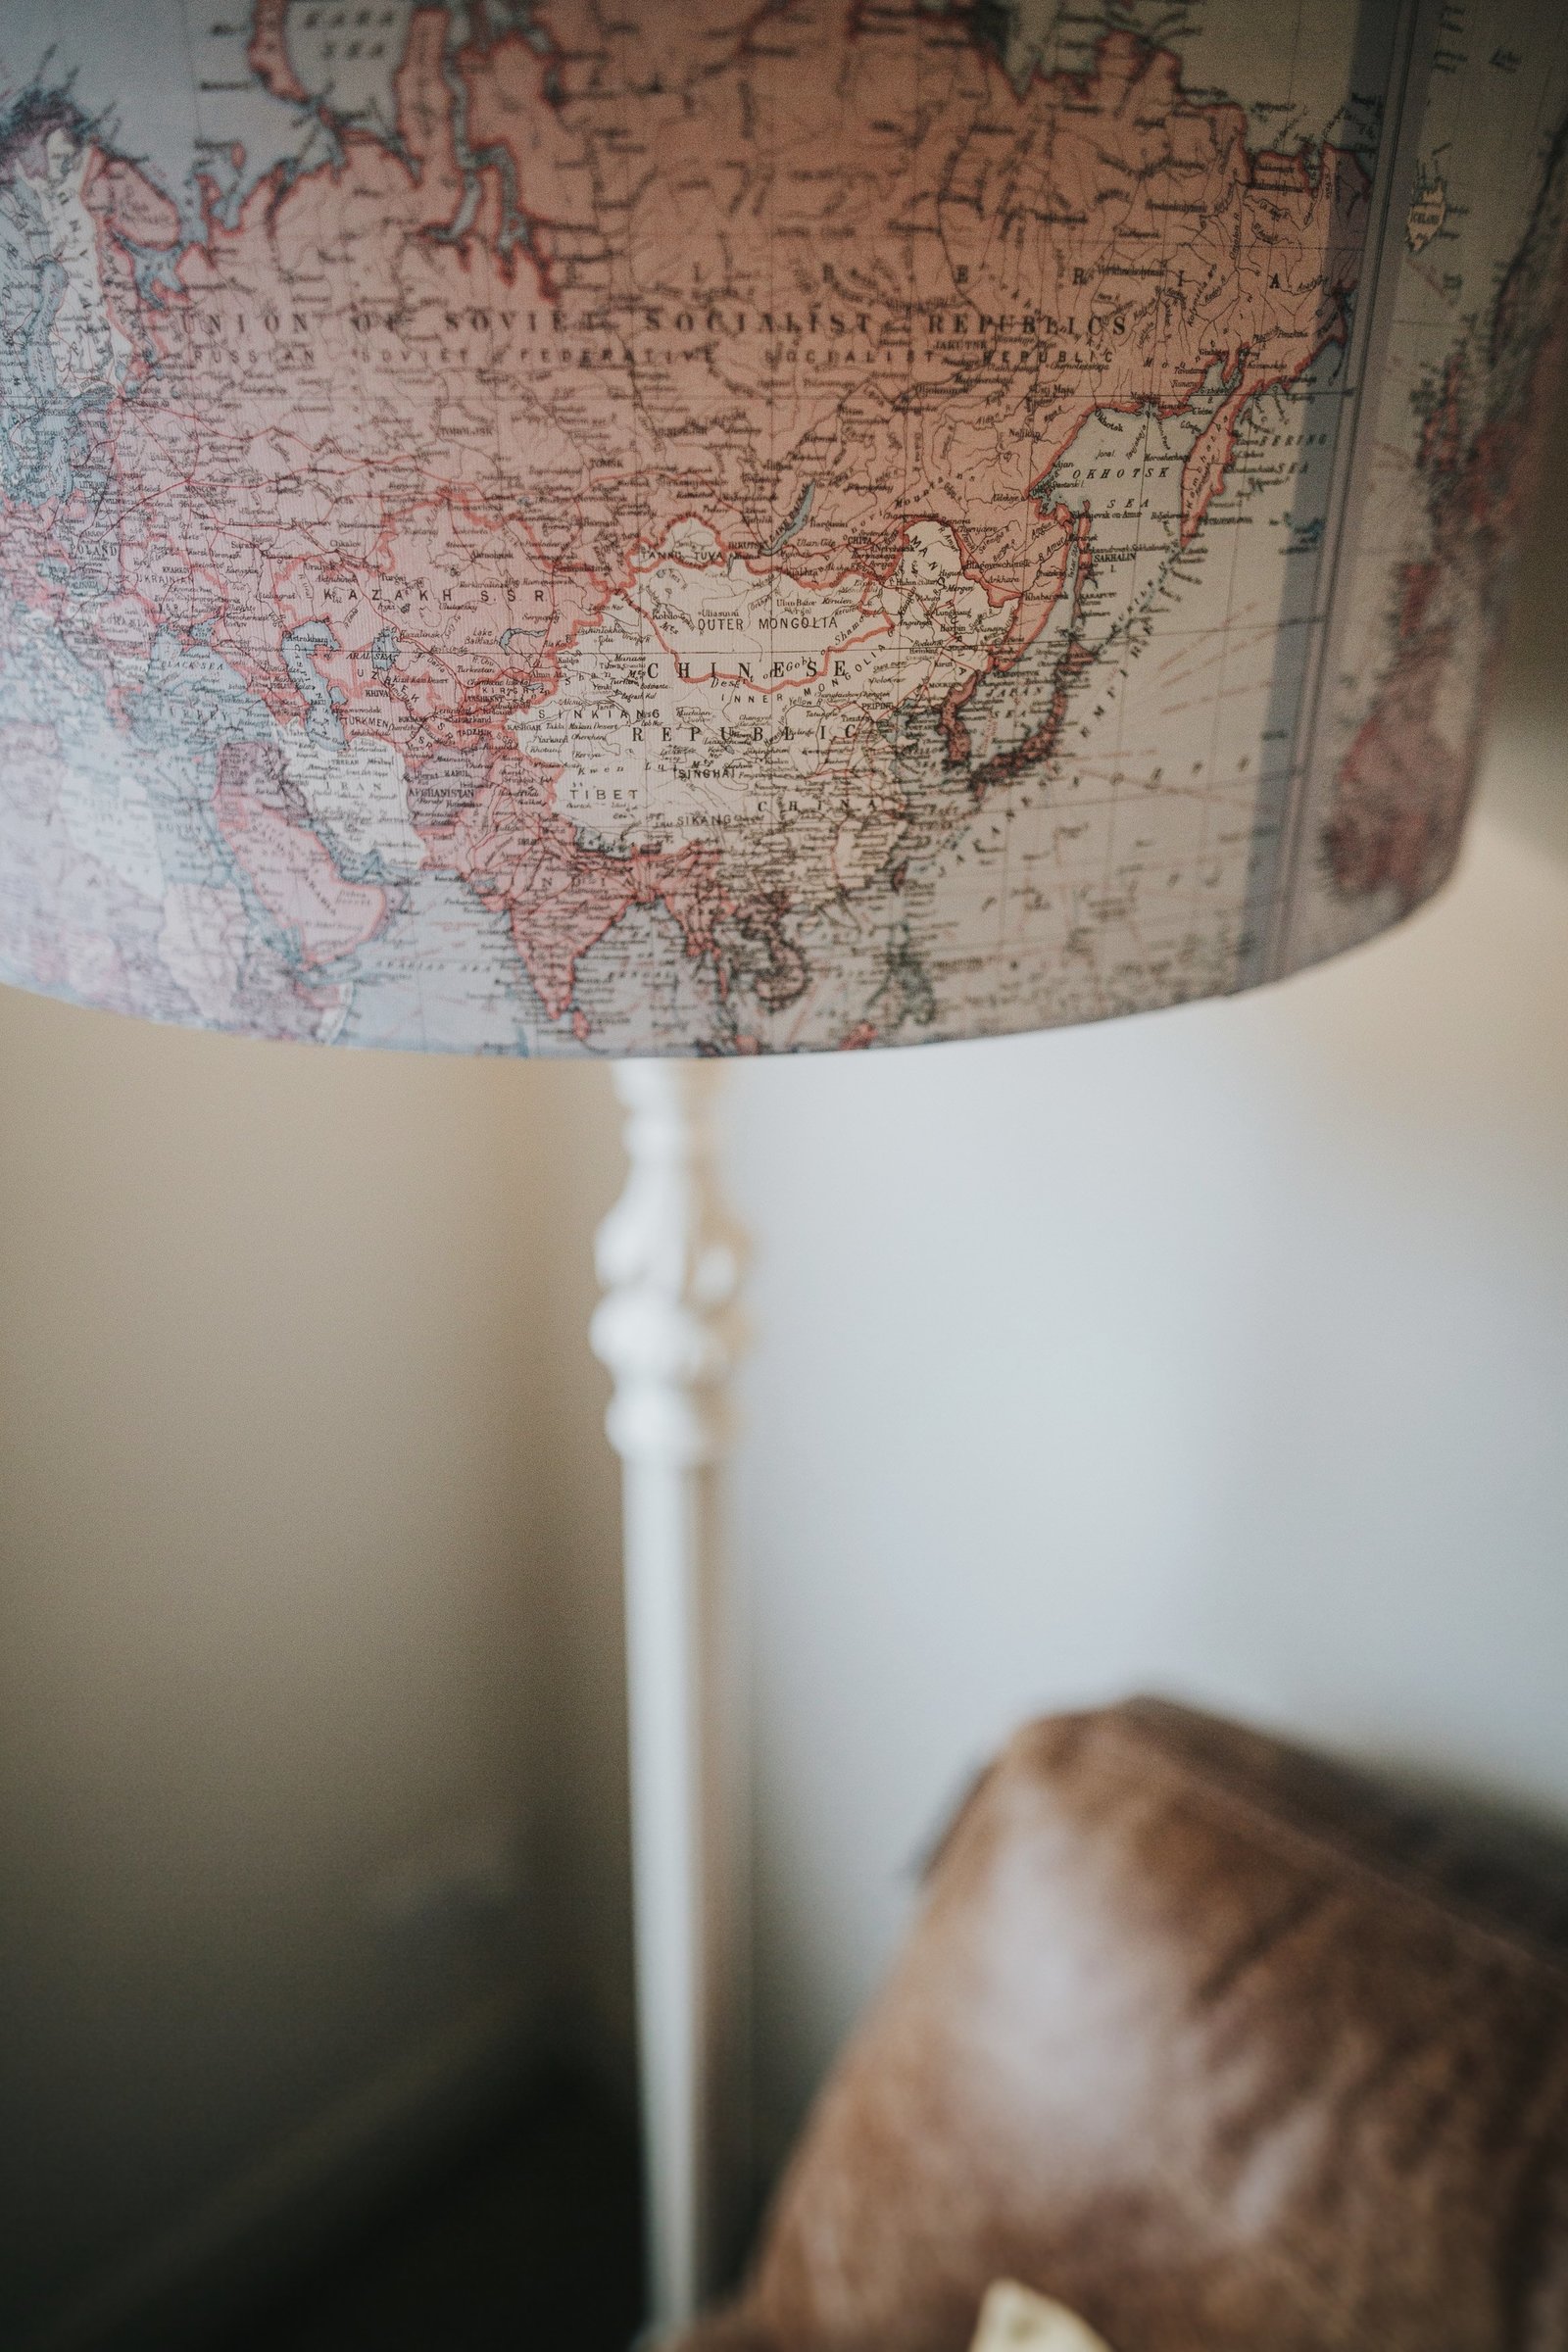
(281, 1686)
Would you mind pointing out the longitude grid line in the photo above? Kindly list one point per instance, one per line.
(1162, 378)
(1355, 398)
(907, 406)
(1260, 782)
(360, 358)
(1031, 519)
(498, 444)
(1115, 791)
(1039, 803)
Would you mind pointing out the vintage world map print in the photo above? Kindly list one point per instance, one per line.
(742, 525)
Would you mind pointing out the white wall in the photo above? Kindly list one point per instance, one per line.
(1222, 1351)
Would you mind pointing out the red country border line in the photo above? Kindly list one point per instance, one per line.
(272, 202)
(269, 15)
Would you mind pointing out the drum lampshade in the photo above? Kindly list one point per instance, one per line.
(707, 528)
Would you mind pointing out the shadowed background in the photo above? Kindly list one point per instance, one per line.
(1223, 1351)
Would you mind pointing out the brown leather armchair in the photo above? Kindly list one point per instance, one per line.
(1229, 2049)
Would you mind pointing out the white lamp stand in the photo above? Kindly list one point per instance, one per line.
(670, 1260)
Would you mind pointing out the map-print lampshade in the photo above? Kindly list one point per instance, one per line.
(715, 526)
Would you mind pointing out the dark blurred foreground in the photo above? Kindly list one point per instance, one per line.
(529, 2237)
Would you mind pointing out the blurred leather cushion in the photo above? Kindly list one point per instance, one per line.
(1228, 2049)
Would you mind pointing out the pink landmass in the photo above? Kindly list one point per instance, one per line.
(268, 50)
(128, 205)
(372, 342)
(379, 400)
(562, 899)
